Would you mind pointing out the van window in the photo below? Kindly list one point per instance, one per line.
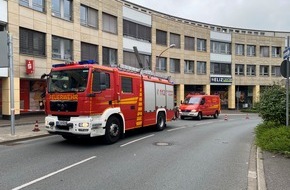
(191, 100)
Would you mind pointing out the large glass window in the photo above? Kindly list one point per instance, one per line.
(220, 47)
(131, 60)
(251, 50)
(201, 44)
(62, 9)
(188, 66)
(201, 67)
(61, 48)
(189, 43)
(109, 56)
(32, 42)
(220, 68)
(276, 51)
(89, 16)
(240, 49)
(264, 70)
(161, 37)
(174, 65)
(136, 30)
(276, 71)
(110, 23)
(37, 5)
(89, 51)
(175, 39)
(251, 70)
(161, 64)
(240, 69)
(264, 51)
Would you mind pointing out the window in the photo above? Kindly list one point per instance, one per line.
(239, 69)
(161, 37)
(251, 70)
(240, 49)
(201, 67)
(174, 65)
(276, 71)
(251, 50)
(188, 66)
(220, 68)
(89, 51)
(109, 56)
(175, 39)
(110, 23)
(264, 51)
(37, 5)
(220, 47)
(127, 85)
(131, 60)
(101, 81)
(62, 9)
(61, 48)
(189, 43)
(89, 16)
(264, 70)
(161, 64)
(276, 51)
(32, 42)
(201, 44)
(136, 30)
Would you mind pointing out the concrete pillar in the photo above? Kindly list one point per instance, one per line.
(256, 93)
(6, 110)
(179, 93)
(206, 89)
(232, 97)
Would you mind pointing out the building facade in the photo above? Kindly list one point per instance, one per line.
(201, 58)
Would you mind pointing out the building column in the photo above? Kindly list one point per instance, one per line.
(179, 94)
(232, 97)
(6, 100)
(256, 93)
(206, 89)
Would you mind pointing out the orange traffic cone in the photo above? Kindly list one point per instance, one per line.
(226, 117)
(36, 127)
(247, 117)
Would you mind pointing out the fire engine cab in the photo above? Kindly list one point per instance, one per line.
(84, 99)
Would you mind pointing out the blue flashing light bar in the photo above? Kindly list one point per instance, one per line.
(87, 62)
(74, 63)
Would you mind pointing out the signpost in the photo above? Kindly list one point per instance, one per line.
(285, 66)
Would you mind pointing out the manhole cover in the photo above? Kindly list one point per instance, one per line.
(162, 144)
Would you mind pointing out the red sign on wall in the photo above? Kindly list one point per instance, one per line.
(29, 66)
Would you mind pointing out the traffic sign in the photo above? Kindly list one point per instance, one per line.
(283, 68)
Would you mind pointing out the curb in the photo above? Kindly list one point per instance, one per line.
(23, 139)
(260, 171)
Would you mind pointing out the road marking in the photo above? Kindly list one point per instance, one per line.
(53, 173)
(136, 140)
(204, 123)
(176, 128)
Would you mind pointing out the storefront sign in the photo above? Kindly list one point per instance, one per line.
(29, 67)
(222, 80)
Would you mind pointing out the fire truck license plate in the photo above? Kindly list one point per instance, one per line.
(61, 123)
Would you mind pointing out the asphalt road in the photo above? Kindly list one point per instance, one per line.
(189, 154)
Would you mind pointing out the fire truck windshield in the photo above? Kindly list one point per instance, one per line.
(192, 100)
(74, 80)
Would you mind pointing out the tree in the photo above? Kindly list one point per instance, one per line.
(272, 105)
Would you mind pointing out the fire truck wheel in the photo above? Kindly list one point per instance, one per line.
(113, 130)
(216, 115)
(161, 122)
(199, 116)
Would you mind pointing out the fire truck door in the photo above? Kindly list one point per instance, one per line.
(129, 100)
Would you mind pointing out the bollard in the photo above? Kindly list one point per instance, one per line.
(226, 117)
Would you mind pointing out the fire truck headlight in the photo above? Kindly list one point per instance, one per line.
(193, 111)
(83, 124)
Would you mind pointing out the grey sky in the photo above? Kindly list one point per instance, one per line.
(271, 15)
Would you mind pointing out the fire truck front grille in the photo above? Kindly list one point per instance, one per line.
(186, 110)
(68, 106)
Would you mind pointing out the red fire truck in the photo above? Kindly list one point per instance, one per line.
(84, 99)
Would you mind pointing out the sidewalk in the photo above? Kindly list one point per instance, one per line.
(271, 171)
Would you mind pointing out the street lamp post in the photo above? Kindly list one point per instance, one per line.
(171, 46)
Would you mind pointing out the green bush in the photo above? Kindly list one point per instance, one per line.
(273, 137)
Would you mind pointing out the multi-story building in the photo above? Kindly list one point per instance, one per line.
(235, 63)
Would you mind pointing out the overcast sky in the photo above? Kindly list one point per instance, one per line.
(271, 15)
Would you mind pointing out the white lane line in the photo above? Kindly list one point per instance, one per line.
(136, 140)
(176, 128)
(204, 123)
(53, 173)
